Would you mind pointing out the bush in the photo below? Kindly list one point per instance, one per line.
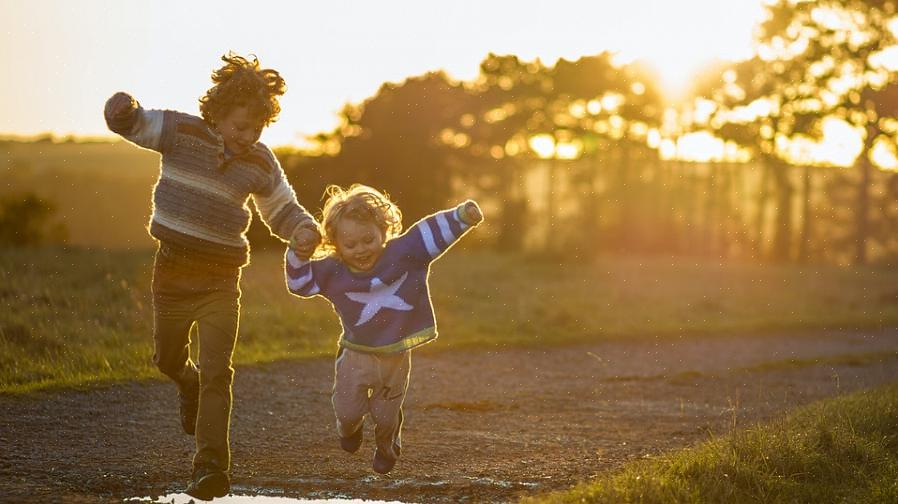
(26, 220)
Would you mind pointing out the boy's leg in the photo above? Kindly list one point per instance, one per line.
(173, 316)
(352, 380)
(386, 402)
(171, 336)
(218, 317)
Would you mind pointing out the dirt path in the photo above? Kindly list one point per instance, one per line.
(480, 425)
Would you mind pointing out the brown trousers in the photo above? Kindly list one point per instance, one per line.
(375, 384)
(184, 296)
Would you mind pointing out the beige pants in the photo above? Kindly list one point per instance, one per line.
(183, 297)
(375, 384)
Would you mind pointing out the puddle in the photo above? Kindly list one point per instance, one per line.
(247, 494)
(502, 483)
(181, 498)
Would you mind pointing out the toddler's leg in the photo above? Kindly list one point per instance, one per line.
(386, 402)
(352, 372)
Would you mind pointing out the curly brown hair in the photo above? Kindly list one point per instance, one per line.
(359, 203)
(242, 82)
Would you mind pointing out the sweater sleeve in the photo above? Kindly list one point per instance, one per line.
(428, 238)
(277, 204)
(142, 127)
(301, 275)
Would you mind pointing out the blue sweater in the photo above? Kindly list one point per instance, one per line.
(387, 308)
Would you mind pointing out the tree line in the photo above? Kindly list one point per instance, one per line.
(587, 156)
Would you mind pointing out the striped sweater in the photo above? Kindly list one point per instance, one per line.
(200, 211)
(387, 308)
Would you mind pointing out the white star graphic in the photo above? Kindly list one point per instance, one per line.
(381, 296)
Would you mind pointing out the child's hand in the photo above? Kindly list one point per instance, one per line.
(304, 242)
(121, 104)
(472, 212)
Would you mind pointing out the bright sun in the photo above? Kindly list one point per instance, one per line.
(680, 39)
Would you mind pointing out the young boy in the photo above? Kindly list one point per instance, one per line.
(210, 167)
(377, 283)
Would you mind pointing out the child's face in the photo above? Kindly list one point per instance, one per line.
(240, 129)
(359, 243)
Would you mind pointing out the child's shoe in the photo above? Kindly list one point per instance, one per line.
(352, 442)
(383, 463)
(189, 399)
(208, 483)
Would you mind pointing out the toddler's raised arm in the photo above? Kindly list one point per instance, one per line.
(434, 234)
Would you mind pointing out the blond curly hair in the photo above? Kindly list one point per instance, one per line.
(360, 203)
(242, 82)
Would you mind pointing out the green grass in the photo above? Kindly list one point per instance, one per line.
(838, 450)
(70, 317)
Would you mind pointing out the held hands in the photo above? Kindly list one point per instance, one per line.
(471, 212)
(304, 242)
(120, 105)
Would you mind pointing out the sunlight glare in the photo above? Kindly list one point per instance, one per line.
(700, 146)
(840, 146)
(568, 150)
(886, 59)
(543, 145)
(883, 154)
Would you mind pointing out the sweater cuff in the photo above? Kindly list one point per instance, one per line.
(308, 223)
(124, 123)
(462, 215)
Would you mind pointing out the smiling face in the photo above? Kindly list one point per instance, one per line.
(240, 129)
(359, 243)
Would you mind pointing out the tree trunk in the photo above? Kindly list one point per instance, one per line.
(626, 196)
(551, 167)
(725, 225)
(804, 239)
(514, 207)
(782, 234)
(763, 194)
(709, 221)
(743, 238)
(863, 200)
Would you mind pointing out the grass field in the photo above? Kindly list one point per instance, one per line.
(839, 450)
(70, 317)
(101, 191)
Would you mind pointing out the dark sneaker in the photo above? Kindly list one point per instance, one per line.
(383, 463)
(208, 483)
(189, 398)
(352, 442)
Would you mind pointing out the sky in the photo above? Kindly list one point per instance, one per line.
(62, 59)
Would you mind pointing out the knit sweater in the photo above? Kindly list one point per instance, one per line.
(387, 308)
(200, 210)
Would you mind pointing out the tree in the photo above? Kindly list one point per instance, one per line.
(391, 141)
(839, 43)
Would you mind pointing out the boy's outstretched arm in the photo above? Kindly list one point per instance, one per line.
(281, 212)
(119, 112)
(434, 234)
(125, 116)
